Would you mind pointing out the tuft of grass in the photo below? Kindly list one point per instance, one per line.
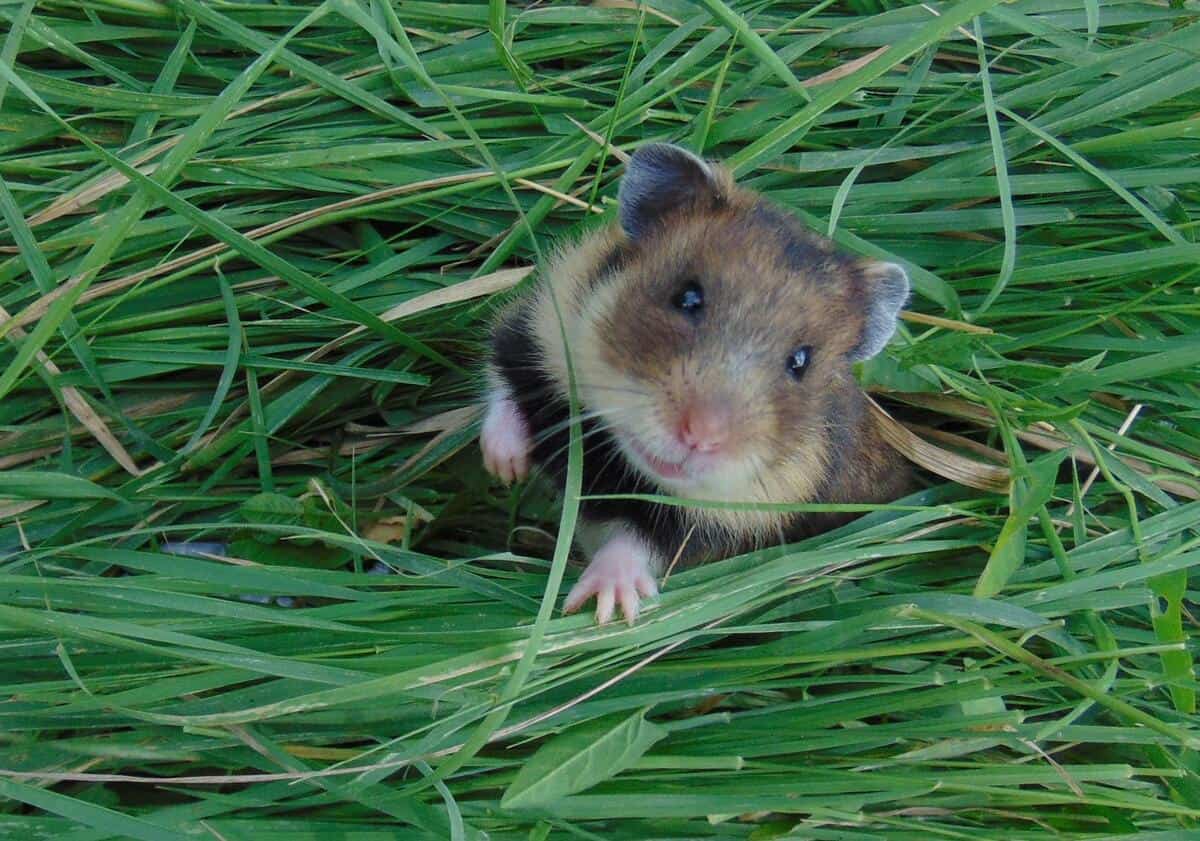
(247, 255)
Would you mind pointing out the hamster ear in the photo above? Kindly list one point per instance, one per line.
(660, 178)
(886, 290)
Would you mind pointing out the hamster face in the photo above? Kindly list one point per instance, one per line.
(713, 349)
(712, 335)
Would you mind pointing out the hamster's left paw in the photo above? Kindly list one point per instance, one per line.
(504, 440)
(619, 573)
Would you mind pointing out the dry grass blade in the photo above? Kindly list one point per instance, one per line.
(835, 73)
(620, 154)
(448, 421)
(558, 194)
(15, 509)
(476, 287)
(78, 201)
(79, 407)
(945, 323)
(943, 462)
(959, 408)
(460, 422)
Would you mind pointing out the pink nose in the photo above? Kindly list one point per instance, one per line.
(704, 427)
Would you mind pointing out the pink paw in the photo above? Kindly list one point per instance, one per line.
(618, 574)
(505, 440)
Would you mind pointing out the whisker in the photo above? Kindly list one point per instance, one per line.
(556, 389)
(553, 390)
(614, 455)
(558, 451)
(778, 521)
(561, 426)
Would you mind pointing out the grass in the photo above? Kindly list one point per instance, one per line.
(247, 255)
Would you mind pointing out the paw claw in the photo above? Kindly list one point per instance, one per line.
(579, 594)
(646, 585)
(604, 606)
(629, 604)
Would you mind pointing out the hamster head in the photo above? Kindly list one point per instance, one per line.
(713, 335)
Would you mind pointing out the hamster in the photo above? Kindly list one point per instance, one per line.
(711, 338)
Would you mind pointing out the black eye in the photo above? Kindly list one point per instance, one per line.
(690, 298)
(797, 361)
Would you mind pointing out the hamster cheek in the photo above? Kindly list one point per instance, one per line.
(620, 572)
(504, 439)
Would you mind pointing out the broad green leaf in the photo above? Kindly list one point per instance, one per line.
(289, 553)
(580, 758)
(1029, 493)
(273, 508)
(1166, 613)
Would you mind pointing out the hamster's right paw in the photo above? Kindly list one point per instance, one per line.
(618, 574)
(505, 441)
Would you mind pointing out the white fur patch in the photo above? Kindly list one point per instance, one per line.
(504, 438)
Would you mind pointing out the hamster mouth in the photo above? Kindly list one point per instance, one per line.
(660, 467)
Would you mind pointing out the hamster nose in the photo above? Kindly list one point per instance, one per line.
(704, 427)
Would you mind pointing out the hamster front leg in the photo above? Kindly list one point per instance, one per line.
(621, 570)
(621, 565)
(505, 439)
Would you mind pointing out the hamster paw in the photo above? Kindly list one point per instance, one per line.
(504, 440)
(619, 573)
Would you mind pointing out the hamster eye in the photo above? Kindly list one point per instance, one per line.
(689, 299)
(797, 361)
